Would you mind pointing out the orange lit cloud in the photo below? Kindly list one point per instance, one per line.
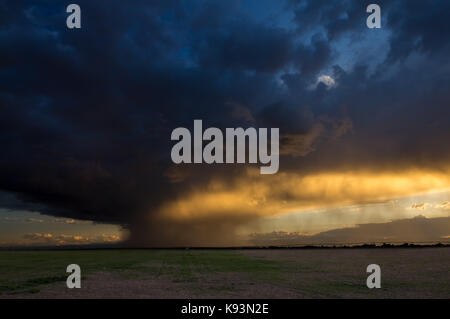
(64, 239)
(259, 196)
(444, 205)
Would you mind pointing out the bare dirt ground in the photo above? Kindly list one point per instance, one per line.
(321, 273)
(108, 285)
(405, 273)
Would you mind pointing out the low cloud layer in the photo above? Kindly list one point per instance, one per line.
(48, 239)
(418, 229)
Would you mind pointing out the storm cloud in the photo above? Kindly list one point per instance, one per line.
(86, 115)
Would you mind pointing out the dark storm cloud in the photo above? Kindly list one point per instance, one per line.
(419, 26)
(86, 115)
(311, 58)
(333, 17)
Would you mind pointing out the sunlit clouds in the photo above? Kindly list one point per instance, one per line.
(284, 193)
(326, 80)
(65, 239)
(363, 139)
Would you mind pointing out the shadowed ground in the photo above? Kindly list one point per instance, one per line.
(316, 273)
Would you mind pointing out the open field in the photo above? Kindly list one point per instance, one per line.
(259, 273)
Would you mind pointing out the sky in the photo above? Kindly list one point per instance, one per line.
(86, 117)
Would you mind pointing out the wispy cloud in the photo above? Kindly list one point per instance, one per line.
(70, 221)
(22, 220)
(65, 239)
(420, 206)
(35, 220)
(444, 205)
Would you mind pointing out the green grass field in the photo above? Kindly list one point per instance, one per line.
(422, 272)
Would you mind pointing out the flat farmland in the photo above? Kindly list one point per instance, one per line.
(246, 273)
